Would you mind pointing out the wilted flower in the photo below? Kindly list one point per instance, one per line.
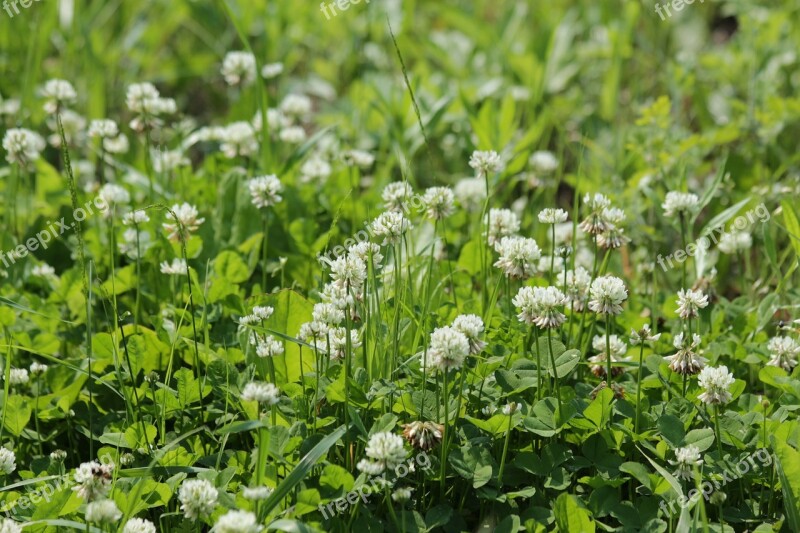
(187, 221)
(448, 348)
(472, 328)
(784, 351)
(385, 451)
(607, 293)
(686, 361)
(102, 512)
(715, 382)
(600, 361)
(7, 461)
(643, 335)
(501, 223)
(686, 459)
(93, 480)
(438, 202)
(518, 256)
(679, 203)
(198, 498)
(485, 162)
(239, 68)
(265, 190)
(689, 301)
(595, 223)
(266, 393)
(423, 435)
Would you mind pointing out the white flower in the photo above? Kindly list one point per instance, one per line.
(57, 93)
(337, 342)
(135, 217)
(595, 223)
(139, 525)
(167, 160)
(266, 393)
(176, 268)
(510, 408)
(22, 146)
(540, 306)
(607, 293)
(485, 162)
(689, 301)
(472, 328)
(198, 498)
(238, 139)
(9, 526)
(679, 203)
(613, 235)
(295, 105)
(292, 135)
(733, 242)
(448, 348)
(93, 480)
(117, 145)
(686, 459)
(187, 217)
(271, 70)
(269, 347)
(9, 107)
(58, 455)
(365, 251)
(396, 194)
(265, 190)
(43, 271)
(102, 512)
(501, 223)
(239, 68)
(686, 361)
(578, 281)
(18, 376)
(145, 100)
(784, 351)
(386, 451)
(599, 362)
(7, 461)
(349, 272)
(438, 202)
(643, 335)
(315, 169)
(518, 256)
(715, 382)
(391, 225)
(552, 216)
(262, 312)
(103, 129)
(73, 124)
(543, 161)
(256, 493)
(237, 522)
(358, 158)
(470, 193)
(113, 194)
(37, 368)
(403, 494)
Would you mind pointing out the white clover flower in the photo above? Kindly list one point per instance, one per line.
(686, 459)
(260, 392)
(600, 361)
(18, 376)
(348, 272)
(335, 345)
(606, 294)
(9, 107)
(103, 129)
(9, 526)
(618, 347)
(198, 498)
(595, 222)
(470, 193)
(327, 313)
(271, 70)
(269, 347)
(472, 327)
(540, 306)
(643, 335)
(93, 480)
(385, 451)
(117, 145)
(167, 160)
(139, 525)
(552, 216)
(367, 251)
(37, 369)
(292, 135)
(614, 234)
(403, 494)
(715, 382)
(518, 257)
(734, 242)
(679, 203)
(448, 348)
(239, 68)
(7, 461)
(784, 351)
(113, 194)
(140, 96)
(187, 220)
(237, 522)
(438, 202)
(43, 271)
(543, 161)
(265, 190)
(295, 105)
(256, 493)
(311, 332)
(396, 194)
(58, 455)
(485, 162)
(315, 169)
(501, 223)
(145, 100)
(102, 512)
(57, 94)
(390, 225)
(689, 301)
(22, 146)
(686, 361)
(578, 281)
(73, 125)
(138, 216)
(358, 158)
(238, 139)
(511, 408)
(176, 268)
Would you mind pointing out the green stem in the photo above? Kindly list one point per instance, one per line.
(555, 375)
(639, 388)
(505, 451)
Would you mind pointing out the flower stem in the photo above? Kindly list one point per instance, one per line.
(555, 375)
(505, 451)
(639, 388)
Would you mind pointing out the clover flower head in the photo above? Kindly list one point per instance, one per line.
(784, 352)
(236, 521)
(606, 295)
(448, 348)
(501, 223)
(552, 216)
(265, 190)
(396, 195)
(679, 203)
(485, 162)
(715, 383)
(689, 301)
(239, 68)
(391, 225)
(259, 392)
(686, 459)
(540, 306)
(103, 512)
(438, 202)
(385, 451)
(472, 328)
(198, 498)
(518, 256)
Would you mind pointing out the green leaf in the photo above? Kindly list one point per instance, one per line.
(231, 267)
(702, 438)
(792, 225)
(787, 463)
(570, 516)
(16, 414)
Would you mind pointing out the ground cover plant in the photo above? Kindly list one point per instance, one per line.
(399, 266)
